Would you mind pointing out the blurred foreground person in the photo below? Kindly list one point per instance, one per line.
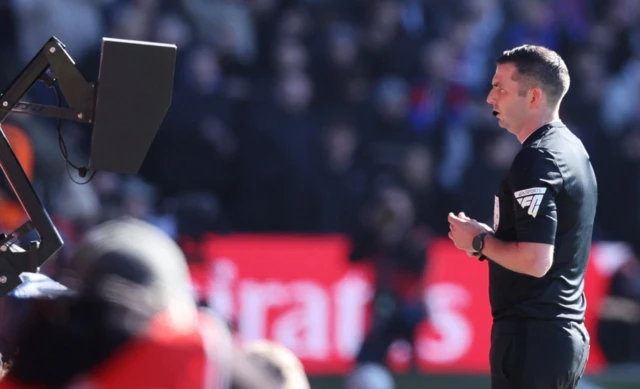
(280, 363)
(16, 306)
(132, 323)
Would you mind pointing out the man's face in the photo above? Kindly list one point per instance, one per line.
(509, 106)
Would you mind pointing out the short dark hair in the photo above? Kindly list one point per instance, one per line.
(539, 65)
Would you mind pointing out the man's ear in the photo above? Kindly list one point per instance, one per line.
(535, 97)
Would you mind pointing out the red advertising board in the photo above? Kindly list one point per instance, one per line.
(303, 292)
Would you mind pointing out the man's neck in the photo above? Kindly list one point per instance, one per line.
(535, 124)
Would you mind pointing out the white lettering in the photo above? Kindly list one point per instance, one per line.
(304, 328)
(530, 191)
(351, 295)
(318, 322)
(256, 299)
(224, 274)
(455, 332)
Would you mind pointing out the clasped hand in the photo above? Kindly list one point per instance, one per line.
(462, 230)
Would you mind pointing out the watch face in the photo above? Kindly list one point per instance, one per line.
(477, 243)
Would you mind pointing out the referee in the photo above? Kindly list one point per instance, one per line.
(538, 248)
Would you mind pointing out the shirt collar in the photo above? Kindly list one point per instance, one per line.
(537, 134)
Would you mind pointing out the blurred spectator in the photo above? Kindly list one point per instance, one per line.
(619, 324)
(227, 24)
(390, 239)
(343, 183)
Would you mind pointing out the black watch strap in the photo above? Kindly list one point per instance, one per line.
(481, 237)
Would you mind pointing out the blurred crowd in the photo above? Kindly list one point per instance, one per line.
(289, 116)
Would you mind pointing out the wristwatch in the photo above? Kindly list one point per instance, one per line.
(478, 244)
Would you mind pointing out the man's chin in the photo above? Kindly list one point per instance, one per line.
(503, 125)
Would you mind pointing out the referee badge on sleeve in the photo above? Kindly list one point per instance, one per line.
(530, 199)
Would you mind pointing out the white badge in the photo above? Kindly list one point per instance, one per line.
(496, 213)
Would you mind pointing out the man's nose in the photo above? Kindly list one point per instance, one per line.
(490, 98)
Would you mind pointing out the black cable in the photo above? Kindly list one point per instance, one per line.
(82, 171)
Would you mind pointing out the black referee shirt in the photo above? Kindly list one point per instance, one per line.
(549, 196)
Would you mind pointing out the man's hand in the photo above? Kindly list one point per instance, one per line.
(467, 218)
(463, 229)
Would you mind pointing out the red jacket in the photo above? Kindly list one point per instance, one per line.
(163, 358)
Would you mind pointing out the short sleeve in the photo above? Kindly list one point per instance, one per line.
(535, 181)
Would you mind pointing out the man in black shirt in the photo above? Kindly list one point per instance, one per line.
(543, 220)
